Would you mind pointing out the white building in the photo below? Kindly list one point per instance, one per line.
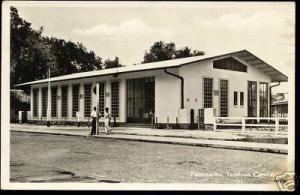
(233, 84)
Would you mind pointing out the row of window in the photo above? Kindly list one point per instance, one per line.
(235, 98)
(229, 64)
(252, 97)
(75, 100)
(208, 95)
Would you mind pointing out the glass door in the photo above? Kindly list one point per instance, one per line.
(140, 99)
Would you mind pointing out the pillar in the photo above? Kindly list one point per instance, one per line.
(258, 100)
(59, 102)
(97, 107)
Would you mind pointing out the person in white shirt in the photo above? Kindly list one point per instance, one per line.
(94, 116)
(106, 121)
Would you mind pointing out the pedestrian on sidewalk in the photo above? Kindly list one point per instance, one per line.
(107, 121)
(94, 116)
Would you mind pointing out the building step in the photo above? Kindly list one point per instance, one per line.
(142, 125)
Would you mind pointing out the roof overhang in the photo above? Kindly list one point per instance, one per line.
(256, 62)
(244, 55)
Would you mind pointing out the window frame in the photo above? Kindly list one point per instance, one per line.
(44, 101)
(101, 100)
(251, 96)
(62, 101)
(205, 92)
(52, 102)
(85, 114)
(227, 97)
(263, 100)
(235, 98)
(242, 100)
(78, 99)
(35, 109)
(118, 99)
(231, 64)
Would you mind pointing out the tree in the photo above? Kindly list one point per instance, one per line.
(112, 63)
(28, 58)
(160, 51)
(32, 54)
(187, 52)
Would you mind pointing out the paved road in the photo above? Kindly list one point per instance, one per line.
(52, 158)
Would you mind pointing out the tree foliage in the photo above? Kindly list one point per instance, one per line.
(32, 54)
(112, 63)
(160, 51)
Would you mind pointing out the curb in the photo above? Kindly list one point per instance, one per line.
(247, 148)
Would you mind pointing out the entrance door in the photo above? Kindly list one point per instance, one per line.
(140, 99)
(223, 98)
(252, 98)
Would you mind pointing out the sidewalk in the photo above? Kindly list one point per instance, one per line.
(226, 140)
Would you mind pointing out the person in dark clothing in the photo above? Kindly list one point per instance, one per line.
(94, 117)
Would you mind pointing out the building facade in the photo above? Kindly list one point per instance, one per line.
(233, 84)
(279, 105)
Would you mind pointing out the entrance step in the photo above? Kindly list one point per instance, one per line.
(140, 125)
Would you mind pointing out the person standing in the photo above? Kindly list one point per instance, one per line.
(94, 116)
(106, 121)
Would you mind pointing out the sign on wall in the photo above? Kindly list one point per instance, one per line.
(216, 92)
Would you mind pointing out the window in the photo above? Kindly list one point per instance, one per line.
(242, 98)
(64, 101)
(87, 100)
(235, 98)
(140, 99)
(223, 98)
(208, 91)
(252, 98)
(75, 99)
(115, 99)
(35, 102)
(263, 99)
(53, 101)
(44, 101)
(101, 98)
(229, 64)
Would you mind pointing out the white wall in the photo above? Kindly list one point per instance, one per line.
(168, 90)
(167, 94)
(237, 81)
(167, 97)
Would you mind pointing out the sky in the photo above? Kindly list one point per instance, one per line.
(128, 30)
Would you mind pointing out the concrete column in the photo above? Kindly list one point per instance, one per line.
(81, 100)
(59, 102)
(49, 99)
(216, 98)
(31, 102)
(122, 99)
(94, 96)
(49, 102)
(269, 100)
(97, 106)
(258, 101)
(108, 98)
(70, 101)
(40, 103)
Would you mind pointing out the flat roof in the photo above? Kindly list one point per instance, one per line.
(242, 54)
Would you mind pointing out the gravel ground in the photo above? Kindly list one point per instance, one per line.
(53, 158)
